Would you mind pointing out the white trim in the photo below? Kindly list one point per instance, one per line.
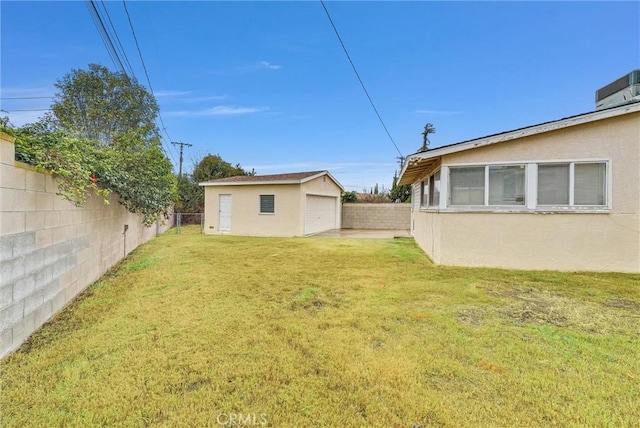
(531, 186)
(257, 182)
(572, 183)
(247, 183)
(444, 187)
(531, 189)
(486, 185)
(531, 161)
(523, 132)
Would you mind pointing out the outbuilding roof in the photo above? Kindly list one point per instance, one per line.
(288, 178)
(417, 164)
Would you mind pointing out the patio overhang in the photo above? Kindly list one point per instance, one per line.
(415, 168)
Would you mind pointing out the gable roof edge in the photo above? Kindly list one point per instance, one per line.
(519, 133)
(258, 181)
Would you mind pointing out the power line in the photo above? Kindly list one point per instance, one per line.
(34, 109)
(358, 76)
(144, 67)
(106, 38)
(115, 33)
(25, 98)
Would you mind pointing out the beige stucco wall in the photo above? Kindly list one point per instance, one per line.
(607, 241)
(288, 219)
(51, 250)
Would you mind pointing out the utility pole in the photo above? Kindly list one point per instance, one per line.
(181, 144)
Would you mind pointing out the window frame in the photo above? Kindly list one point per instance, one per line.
(273, 204)
(572, 187)
(427, 185)
(424, 193)
(530, 188)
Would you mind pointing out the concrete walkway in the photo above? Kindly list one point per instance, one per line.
(364, 233)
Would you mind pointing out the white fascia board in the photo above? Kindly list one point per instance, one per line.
(320, 174)
(526, 132)
(247, 183)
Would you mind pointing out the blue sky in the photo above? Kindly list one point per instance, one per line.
(267, 85)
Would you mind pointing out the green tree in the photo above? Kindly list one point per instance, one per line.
(141, 175)
(349, 197)
(190, 197)
(101, 106)
(399, 193)
(212, 167)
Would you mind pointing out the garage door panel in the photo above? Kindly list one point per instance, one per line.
(320, 214)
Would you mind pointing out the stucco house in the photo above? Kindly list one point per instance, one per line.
(295, 204)
(561, 195)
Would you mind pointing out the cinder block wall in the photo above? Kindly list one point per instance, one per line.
(51, 250)
(376, 216)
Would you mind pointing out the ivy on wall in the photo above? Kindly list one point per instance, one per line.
(138, 172)
(101, 138)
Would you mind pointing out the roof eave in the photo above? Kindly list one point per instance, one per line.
(513, 135)
(320, 174)
(247, 183)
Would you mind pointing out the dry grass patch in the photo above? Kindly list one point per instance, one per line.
(329, 332)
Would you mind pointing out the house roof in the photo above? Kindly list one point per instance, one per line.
(288, 178)
(417, 164)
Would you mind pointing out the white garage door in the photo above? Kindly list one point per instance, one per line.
(320, 214)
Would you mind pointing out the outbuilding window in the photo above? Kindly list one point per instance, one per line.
(267, 204)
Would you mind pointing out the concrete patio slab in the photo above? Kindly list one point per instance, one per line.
(365, 233)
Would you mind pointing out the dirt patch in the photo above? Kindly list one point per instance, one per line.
(541, 311)
(543, 307)
(623, 304)
(471, 316)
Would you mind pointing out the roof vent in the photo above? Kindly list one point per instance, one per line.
(621, 91)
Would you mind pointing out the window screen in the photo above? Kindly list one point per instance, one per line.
(506, 185)
(267, 204)
(467, 186)
(589, 184)
(553, 184)
(434, 189)
(424, 194)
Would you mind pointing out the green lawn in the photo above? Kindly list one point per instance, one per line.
(196, 330)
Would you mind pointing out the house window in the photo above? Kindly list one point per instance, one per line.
(434, 189)
(424, 194)
(553, 184)
(506, 184)
(572, 184)
(524, 187)
(466, 185)
(590, 184)
(430, 191)
(267, 204)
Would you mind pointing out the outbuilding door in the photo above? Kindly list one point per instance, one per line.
(224, 213)
(320, 214)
